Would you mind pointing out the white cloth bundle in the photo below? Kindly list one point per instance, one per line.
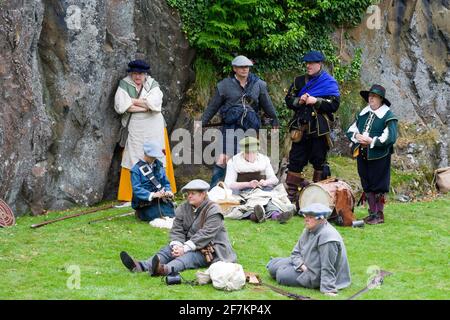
(165, 222)
(224, 276)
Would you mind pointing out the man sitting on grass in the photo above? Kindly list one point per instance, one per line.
(319, 259)
(198, 237)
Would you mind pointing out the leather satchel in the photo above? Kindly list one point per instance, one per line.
(123, 134)
(297, 132)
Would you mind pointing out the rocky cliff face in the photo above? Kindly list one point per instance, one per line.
(407, 50)
(60, 62)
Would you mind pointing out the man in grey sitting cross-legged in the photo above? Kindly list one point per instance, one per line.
(318, 260)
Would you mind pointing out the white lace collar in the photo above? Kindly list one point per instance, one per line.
(380, 112)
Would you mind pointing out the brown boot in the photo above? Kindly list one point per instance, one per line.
(378, 218)
(370, 217)
(295, 182)
(317, 175)
(158, 269)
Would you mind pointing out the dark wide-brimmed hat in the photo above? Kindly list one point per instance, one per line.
(378, 90)
(138, 66)
(313, 56)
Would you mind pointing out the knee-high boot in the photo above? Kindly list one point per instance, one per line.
(317, 175)
(379, 203)
(295, 182)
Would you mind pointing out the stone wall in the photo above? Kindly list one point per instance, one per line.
(60, 63)
(408, 52)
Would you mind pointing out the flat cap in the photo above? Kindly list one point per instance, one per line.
(313, 56)
(249, 144)
(241, 61)
(196, 184)
(152, 149)
(317, 210)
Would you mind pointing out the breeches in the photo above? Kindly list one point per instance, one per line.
(309, 149)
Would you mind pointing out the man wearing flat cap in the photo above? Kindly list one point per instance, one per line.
(239, 99)
(138, 100)
(152, 194)
(198, 237)
(318, 260)
(314, 97)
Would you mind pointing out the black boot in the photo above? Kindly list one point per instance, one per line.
(130, 263)
(218, 174)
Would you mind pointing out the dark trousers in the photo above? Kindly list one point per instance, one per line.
(310, 149)
(156, 209)
(375, 175)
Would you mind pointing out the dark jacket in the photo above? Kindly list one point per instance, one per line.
(380, 125)
(317, 117)
(229, 93)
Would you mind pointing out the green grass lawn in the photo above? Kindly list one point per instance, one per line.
(413, 244)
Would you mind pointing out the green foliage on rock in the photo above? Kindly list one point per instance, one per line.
(274, 33)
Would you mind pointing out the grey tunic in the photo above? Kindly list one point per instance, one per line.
(187, 229)
(323, 252)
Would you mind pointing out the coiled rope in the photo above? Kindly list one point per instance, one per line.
(6, 215)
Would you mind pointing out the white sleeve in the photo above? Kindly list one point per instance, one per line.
(353, 129)
(189, 246)
(270, 174)
(231, 175)
(153, 99)
(122, 101)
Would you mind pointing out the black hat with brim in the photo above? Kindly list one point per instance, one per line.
(378, 90)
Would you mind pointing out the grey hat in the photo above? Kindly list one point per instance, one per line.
(196, 184)
(153, 150)
(241, 61)
(318, 210)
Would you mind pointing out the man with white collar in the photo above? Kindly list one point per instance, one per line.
(198, 237)
(318, 260)
(373, 135)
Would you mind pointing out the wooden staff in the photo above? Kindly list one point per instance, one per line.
(38, 225)
(112, 217)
